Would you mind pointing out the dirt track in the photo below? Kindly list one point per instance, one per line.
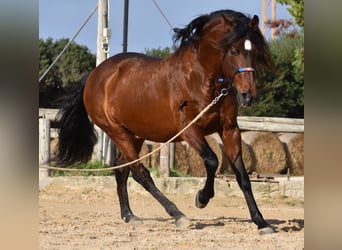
(88, 218)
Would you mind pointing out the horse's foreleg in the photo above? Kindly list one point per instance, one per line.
(232, 141)
(211, 163)
(200, 145)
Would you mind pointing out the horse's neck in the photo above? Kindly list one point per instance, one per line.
(199, 71)
(208, 60)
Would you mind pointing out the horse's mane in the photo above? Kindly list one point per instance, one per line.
(192, 33)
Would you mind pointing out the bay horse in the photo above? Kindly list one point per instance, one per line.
(134, 97)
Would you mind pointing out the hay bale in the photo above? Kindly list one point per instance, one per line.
(247, 157)
(155, 157)
(267, 151)
(293, 144)
(145, 149)
(53, 148)
(181, 162)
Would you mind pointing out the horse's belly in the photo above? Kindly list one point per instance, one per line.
(155, 124)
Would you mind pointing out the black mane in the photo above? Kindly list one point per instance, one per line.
(193, 32)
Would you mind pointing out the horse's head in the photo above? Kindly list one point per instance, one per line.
(231, 47)
(244, 52)
(237, 70)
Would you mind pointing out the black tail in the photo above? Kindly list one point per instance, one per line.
(77, 135)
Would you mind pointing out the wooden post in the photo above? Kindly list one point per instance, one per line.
(273, 18)
(164, 170)
(102, 25)
(172, 155)
(263, 17)
(103, 36)
(44, 145)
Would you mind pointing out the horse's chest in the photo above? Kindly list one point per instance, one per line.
(209, 122)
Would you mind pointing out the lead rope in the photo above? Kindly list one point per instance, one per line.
(224, 92)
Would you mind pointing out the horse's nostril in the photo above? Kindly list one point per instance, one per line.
(245, 96)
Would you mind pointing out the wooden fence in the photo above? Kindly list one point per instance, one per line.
(269, 124)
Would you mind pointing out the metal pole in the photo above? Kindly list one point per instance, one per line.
(125, 28)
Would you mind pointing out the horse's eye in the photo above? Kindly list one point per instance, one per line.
(233, 52)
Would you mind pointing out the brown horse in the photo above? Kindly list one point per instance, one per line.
(134, 97)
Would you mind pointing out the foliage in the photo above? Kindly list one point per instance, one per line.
(76, 62)
(89, 165)
(281, 93)
(296, 9)
(159, 52)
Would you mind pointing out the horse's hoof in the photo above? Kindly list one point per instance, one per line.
(266, 230)
(183, 222)
(133, 220)
(198, 203)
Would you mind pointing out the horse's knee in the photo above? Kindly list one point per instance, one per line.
(211, 162)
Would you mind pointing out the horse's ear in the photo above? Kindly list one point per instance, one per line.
(254, 22)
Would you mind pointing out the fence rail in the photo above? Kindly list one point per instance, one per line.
(271, 124)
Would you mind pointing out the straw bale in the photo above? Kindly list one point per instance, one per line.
(267, 151)
(155, 157)
(53, 148)
(294, 148)
(145, 149)
(181, 162)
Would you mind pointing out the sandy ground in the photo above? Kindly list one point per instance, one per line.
(87, 218)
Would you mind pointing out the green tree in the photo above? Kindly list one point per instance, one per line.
(76, 62)
(296, 9)
(159, 52)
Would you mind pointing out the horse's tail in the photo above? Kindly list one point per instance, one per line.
(77, 135)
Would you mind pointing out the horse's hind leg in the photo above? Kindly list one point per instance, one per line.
(126, 142)
(232, 142)
(143, 177)
(121, 176)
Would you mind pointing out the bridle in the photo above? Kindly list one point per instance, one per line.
(230, 80)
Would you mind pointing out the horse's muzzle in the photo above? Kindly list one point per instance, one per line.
(245, 99)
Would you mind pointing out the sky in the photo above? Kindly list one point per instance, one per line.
(147, 27)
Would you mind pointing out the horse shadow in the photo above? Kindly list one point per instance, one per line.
(293, 225)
